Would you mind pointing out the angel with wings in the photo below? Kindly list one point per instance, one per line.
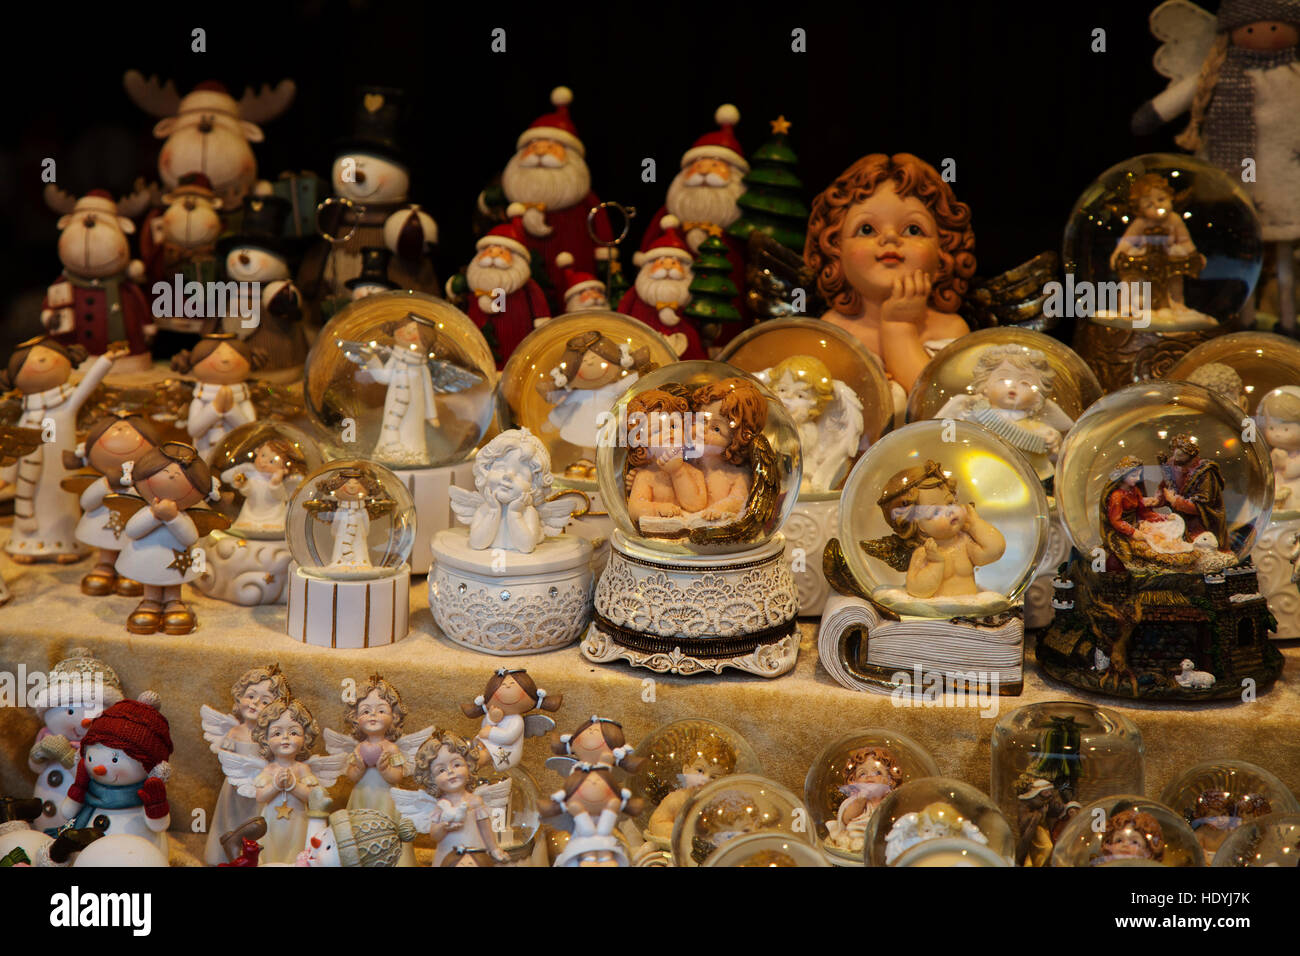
(598, 740)
(256, 689)
(509, 508)
(414, 376)
(588, 807)
(282, 777)
(505, 706)
(349, 499)
(828, 414)
(455, 816)
(379, 754)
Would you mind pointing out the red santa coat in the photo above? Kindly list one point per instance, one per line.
(735, 255)
(104, 311)
(523, 306)
(633, 305)
(569, 234)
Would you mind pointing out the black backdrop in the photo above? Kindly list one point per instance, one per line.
(1012, 91)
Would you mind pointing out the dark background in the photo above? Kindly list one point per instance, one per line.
(1009, 90)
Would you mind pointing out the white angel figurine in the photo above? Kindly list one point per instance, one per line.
(508, 509)
(349, 499)
(829, 416)
(446, 808)
(256, 689)
(267, 482)
(588, 807)
(504, 706)
(280, 780)
(379, 754)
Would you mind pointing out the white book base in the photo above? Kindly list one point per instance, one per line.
(351, 613)
(244, 571)
(428, 488)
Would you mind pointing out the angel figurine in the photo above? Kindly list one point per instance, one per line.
(592, 803)
(504, 706)
(598, 740)
(1278, 414)
(256, 689)
(508, 508)
(457, 817)
(828, 414)
(414, 375)
(379, 754)
(222, 364)
(350, 498)
(267, 482)
(872, 774)
(282, 777)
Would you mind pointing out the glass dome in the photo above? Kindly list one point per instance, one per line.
(700, 459)
(260, 466)
(1218, 797)
(833, 387)
(1169, 220)
(950, 851)
(768, 850)
(849, 779)
(1164, 442)
(1277, 417)
(567, 373)
(516, 831)
(732, 807)
(351, 520)
(1125, 829)
(1273, 840)
(934, 808)
(1261, 362)
(403, 379)
(947, 487)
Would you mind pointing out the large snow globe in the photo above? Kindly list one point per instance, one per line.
(1127, 830)
(1218, 797)
(735, 806)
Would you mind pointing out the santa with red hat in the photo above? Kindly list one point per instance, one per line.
(504, 301)
(662, 290)
(583, 292)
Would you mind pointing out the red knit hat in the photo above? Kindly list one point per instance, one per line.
(509, 234)
(136, 728)
(667, 243)
(575, 280)
(721, 143)
(557, 126)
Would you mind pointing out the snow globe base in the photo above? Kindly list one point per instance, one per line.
(1121, 355)
(693, 614)
(428, 488)
(506, 603)
(1275, 556)
(349, 613)
(1160, 636)
(811, 524)
(245, 571)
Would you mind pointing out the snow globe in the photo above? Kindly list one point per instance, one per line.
(1029, 389)
(351, 525)
(1163, 493)
(1124, 830)
(1160, 249)
(1269, 841)
(736, 806)
(1218, 797)
(19, 841)
(698, 469)
(766, 850)
(849, 780)
(406, 381)
(512, 582)
(941, 529)
(1052, 757)
(934, 808)
(838, 396)
(260, 465)
(950, 851)
(560, 381)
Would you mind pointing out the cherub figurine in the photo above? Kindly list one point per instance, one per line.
(267, 482)
(703, 761)
(828, 413)
(1132, 834)
(933, 822)
(379, 754)
(872, 774)
(350, 498)
(508, 508)
(661, 482)
(1223, 381)
(413, 371)
(729, 418)
(598, 740)
(504, 706)
(222, 364)
(256, 689)
(282, 777)
(1278, 414)
(593, 803)
(454, 815)
(1216, 814)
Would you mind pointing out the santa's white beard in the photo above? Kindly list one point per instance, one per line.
(704, 203)
(555, 187)
(652, 291)
(488, 278)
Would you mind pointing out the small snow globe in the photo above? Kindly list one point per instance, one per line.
(1271, 841)
(951, 851)
(849, 780)
(260, 466)
(517, 795)
(769, 850)
(933, 808)
(1241, 367)
(1127, 830)
(732, 807)
(1218, 797)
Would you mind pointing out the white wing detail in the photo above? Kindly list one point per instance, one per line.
(537, 725)
(495, 794)
(464, 503)
(1186, 32)
(241, 770)
(839, 430)
(328, 767)
(1053, 415)
(216, 725)
(337, 743)
(417, 806)
(561, 765)
(408, 744)
(555, 515)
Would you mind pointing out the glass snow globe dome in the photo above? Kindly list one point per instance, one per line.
(1271, 841)
(732, 807)
(402, 379)
(351, 520)
(951, 486)
(835, 390)
(699, 458)
(769, 850)
(934, 808)
(1179, 232)
(951, 851)
(1218, 797)
(567, 374)
(260, 465)
(1127, 830)
(1241, 367)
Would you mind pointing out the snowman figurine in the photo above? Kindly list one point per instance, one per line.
(359, 837)
(258, 259)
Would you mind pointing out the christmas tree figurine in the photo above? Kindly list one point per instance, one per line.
(772, 202)
(712, 291)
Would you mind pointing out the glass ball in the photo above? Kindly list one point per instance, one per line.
(849, 779)
(950, 851)
(734, 436)
(1273, 840)
(567, 373)
(522, 810)
(1261, 362)
(732, 807)
(1173, 221)
(351, 519)
(260, 465)
(1120, 440)
(402, 379)
(1218, 797)
(934, 808)
(930, 477)
(770, 850)
(833, 387)
(1119, 830)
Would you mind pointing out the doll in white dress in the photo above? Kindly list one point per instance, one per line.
(589, 807)
(267, 482)
(504, 706)
(222, 364)
(349, 499)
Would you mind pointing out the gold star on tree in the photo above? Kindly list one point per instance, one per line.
(181, 561)
(780, 125)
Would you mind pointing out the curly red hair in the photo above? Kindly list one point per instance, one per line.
(910, 176)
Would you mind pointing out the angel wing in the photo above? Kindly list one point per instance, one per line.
(464, 503)
(959, 406)
(892, 549)
(327, 767)
(1015, 297)
(495, 794)
(776, 278)
(1186, 33)
(17, 443)
(207, 521)
(1052, 414)
(79, 482)
(448, 377)
(337, 743)
(555, 515)
(215, 726)
(561, 765)
(241, 770)
(839, 434)
(417, 806)
(408, 744)
(538, 725)
(124, 506)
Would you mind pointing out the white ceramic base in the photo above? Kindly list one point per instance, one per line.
(691, 614)
(245, 571)
(1274, 556)
(810, 525)
(428, 488)
(348, 614)
(1038, 596)
(505, 603)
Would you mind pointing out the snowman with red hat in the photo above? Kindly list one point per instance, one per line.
(663, 290)
(504, 300)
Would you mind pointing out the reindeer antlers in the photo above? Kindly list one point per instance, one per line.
(267, 103)
(59, 200)
(155, 98)
(135, 203)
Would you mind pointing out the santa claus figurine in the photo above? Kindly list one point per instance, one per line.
(662, 290)
(583, 292)
(504, 301)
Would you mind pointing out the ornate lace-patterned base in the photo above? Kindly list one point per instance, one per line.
(810, 525)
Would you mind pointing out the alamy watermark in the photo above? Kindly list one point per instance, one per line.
(1086, 300)
(208, 300)
(978, 690)
(38, 690)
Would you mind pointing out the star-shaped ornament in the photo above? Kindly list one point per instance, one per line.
(780, 125)
(283, 811)
(181, 561)
(116, 524)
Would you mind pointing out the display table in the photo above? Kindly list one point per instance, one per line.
(786, 720)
